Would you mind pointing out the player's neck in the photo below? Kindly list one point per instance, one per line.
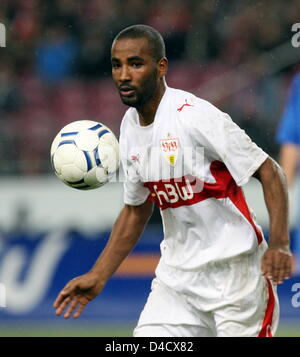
(148, 111)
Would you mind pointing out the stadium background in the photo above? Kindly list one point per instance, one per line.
(56, 69)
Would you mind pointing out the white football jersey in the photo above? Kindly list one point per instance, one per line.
(192, 161)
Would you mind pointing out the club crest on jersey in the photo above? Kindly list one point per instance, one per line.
(169, 148)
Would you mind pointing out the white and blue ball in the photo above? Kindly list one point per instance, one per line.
(85, 154)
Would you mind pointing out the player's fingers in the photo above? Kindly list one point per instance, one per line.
(277, 275)
(67, 291)
(288, 268)
(287, 265)
(60, 308)
(79, 310)
(266, 266)
(282, 269)
(72, 307)
(61, 297)
(276, 266)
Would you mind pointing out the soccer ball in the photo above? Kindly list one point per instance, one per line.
(85, 154)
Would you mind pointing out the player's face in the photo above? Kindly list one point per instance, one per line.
(134, 71)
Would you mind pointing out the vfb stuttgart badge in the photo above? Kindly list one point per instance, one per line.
(169, 148)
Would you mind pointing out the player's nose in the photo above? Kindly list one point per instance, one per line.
(124, 74)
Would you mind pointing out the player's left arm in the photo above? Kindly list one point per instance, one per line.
(277, 261)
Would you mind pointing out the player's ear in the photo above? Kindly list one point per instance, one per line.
(163, 67)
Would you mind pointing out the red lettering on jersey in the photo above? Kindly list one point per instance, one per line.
(168, 145)
(174, 145)
(187, 191)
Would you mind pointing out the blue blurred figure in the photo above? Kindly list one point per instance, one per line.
(288, 136)
(56, 55)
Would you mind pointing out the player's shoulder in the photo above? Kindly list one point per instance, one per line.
(191, 108)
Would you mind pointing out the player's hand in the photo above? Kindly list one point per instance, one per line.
(77, 294)
(277, 264)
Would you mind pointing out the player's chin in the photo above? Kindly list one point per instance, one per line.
(129, 100)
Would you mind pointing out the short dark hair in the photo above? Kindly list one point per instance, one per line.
(144, 31)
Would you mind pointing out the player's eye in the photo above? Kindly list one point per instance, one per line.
(115, 65)
(137, 64)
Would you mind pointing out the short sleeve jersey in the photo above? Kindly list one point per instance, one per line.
(191, 162)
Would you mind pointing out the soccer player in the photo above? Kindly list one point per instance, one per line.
(288, 136)
(216, 275)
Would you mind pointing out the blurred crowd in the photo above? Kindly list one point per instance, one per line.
(56, 66)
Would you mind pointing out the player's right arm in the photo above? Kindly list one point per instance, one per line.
(126, 231)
